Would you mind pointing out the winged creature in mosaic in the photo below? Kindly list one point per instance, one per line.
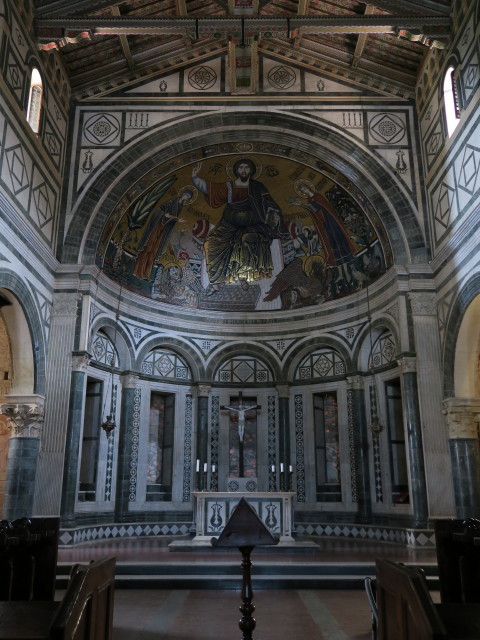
(300, 283)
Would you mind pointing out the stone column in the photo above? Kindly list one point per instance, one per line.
(25, 417)
(128, 440)
(202, 430)
(284, 454)
(359, 459)
(463, 416)
(48, 491)
(430, 396)
(415, 441)
(80, 362)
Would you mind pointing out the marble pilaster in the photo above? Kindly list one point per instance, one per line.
(284, 454)
(463, 416)
(360, 468)
(128, 440)
(430, 397)
(48, 492)
(80, 362)
(418, 484)
(202, 429)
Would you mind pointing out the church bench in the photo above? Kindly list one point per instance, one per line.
(28, 558)
(84, 613)
(406, 610)
(458, 557)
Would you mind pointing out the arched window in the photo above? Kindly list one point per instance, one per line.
(450, 98)
(35, 100)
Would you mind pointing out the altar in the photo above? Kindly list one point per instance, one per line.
(214, 508)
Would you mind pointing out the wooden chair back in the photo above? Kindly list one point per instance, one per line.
(405, 608)
(86, 610)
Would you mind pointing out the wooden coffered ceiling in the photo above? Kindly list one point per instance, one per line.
(98, 39)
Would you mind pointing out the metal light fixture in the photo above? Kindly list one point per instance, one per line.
(108, 425)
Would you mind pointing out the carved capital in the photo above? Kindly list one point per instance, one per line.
(65, 304)
(407, 364)
(80, 362)
(463, 417)
(423, 304)
(203, 390)
(129, 380)
(283, 390)
(25, 414)
(356, 382)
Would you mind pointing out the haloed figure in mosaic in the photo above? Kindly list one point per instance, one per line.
(157, 233)
(238, 248)
(338, 247)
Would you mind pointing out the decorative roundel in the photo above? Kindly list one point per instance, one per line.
(202, 78)
(251, 485)
(233, 485)
(282, 77)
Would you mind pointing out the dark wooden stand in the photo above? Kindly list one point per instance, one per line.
(245, 530)
(247, 621)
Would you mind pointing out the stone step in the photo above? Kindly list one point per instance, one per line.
(227, 575)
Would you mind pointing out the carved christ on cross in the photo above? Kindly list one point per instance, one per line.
(240, 410)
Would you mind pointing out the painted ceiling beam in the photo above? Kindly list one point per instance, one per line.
(398, 6)
(124, 43)
(62, 8)
(362, 39)
(434, 25)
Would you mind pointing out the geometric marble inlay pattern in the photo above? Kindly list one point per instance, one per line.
(352, 444)
(299, 448)
(469, 177)
(17, 168)
(43, 205)
(272, 444)
(443, 208)
(387, 128)
(242, 370)
(103, 350)
(135, 441)
(187, 449)
(321, 363)
(383, 351)
(166, 364)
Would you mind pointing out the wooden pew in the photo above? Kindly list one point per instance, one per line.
(28, 558)
(458, 556)
(406, 610)
(84, 613)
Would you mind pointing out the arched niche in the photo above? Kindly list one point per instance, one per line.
(467, 353)
(23, 363)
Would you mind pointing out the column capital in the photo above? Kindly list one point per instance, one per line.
(463, 416)
(129, 380)
(283, 390)
(423, 303)
(24, 413)
(203, 390)
(80, 361)
(65, 304)
(408, 364)
(356, 382)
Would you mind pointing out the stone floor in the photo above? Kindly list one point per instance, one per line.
(283, 614)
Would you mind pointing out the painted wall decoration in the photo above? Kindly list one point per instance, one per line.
(244, 230)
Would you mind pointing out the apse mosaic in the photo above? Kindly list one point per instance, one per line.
(243, 228)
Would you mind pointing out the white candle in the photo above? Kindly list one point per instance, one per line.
(281, 467)
(213, 468)
(205, 466)
(198, 466)
(290, 468)
(273, 468)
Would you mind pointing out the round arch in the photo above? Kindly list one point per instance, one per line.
(312, 344)
(183, 349)
(462, 350)
(247, 349)
(26, 331)
(119, 339)
(362, 349)
(372, 176)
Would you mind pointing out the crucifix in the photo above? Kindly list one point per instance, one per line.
(241, 410)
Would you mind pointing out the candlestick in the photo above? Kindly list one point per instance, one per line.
(198, 466)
